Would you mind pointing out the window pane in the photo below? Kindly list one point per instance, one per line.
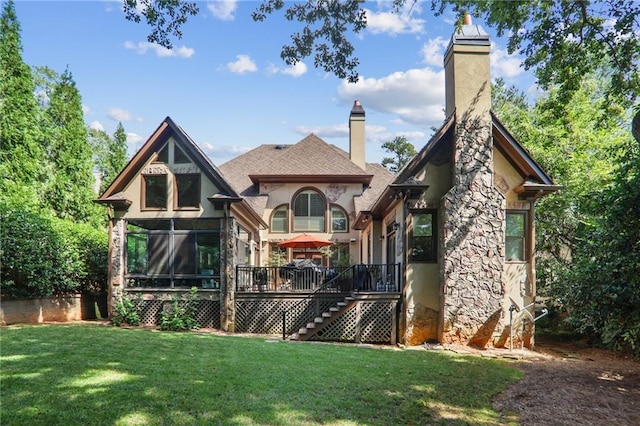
(208, 254)
(279, 220)
(338, 220)
(158, 254)
(196, 224)
(163, 155)
(179, 157)
(137, 253)
(184, 253)
(188, 190)
(515, 236)
(423, 241)
(155, 191)
(316, 205)
(301, 205)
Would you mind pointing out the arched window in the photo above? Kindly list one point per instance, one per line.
(308, 212)
(280, 219)
(339, 221)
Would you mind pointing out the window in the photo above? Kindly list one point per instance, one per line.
(515, 236)
(188, 190)
(279, 219)
(154, 191)
(339, 221)
(179, 157)
(308, 210)
(422, 239)
(163, 155)
(173, 253)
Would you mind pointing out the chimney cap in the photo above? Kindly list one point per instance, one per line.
(470, 34)
(357, 108)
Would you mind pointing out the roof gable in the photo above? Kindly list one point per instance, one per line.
(151, 147)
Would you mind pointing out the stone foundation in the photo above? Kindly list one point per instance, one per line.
(422, 325)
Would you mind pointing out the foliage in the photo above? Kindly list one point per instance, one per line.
(136, 376)
(43, 255)
(126, 312)
(586, 259)
(181, 315)
(110, 153)
(21, 154)
(403, 151)
(565, 40)
(71, 189)
(561, 40)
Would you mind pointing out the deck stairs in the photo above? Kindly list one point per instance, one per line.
(319, 323)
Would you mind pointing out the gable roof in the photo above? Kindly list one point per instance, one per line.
(168, 128)
(536, 181)
(311, 160)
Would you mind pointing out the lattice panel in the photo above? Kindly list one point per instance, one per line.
(260, 316)
(208, 315)
(376, 322)
(342, 329)
(370, 322)
(150, 311)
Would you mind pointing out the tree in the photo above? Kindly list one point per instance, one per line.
(21, 154)
(110, 153)
(403, 150)
(561, 40)
(71, 190)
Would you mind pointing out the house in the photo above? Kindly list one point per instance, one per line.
(442, 251)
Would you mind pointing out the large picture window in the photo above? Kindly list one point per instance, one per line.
(309, 212)
(516, 236)
(173, 253)
(154, 191)
(422, 238)
(280, 219)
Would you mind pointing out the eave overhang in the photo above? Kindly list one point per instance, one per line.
(117, 201)
(363, 179)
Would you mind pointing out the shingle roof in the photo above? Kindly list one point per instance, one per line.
(311, 159)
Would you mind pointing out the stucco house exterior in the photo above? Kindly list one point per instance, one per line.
(442, 251)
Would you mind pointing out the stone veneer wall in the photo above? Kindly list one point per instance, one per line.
(472, 247)
(116, 263)
(227, 277)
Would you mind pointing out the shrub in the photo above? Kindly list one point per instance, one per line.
(180, 316)
(126, 312)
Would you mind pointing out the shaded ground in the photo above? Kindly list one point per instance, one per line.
(572, 384)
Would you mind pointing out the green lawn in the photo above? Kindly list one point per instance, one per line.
(99, 375)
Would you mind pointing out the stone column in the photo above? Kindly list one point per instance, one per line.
(117, 246)
(227, 276)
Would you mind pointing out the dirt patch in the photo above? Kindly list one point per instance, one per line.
(573, 384)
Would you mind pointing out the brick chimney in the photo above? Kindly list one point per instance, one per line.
(356, 135)
(473, 210)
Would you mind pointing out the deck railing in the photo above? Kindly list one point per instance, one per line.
(361, 277)
(356, 278)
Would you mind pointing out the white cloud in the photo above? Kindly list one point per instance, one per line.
(433, 51)
(119, 114)
(219, 152)
(223, 9)
(503, 64)
(162, 52)
(393, 23)
(96, 125)
(335, 131)
(294, 71)
(85, 109)
(416, 96)
(133, 138)
(242, 65)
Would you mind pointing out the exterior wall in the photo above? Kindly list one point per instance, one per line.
(338, 194)
(44, 309)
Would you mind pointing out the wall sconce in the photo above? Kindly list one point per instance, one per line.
(396, 226)
(381, 237)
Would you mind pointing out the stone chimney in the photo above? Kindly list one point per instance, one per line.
(356, 135)
(473, 210)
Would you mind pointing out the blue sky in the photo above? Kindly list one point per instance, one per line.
(225, 84)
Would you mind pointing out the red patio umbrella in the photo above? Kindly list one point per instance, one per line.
(305, 241)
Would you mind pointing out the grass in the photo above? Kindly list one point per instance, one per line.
(97, 375)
